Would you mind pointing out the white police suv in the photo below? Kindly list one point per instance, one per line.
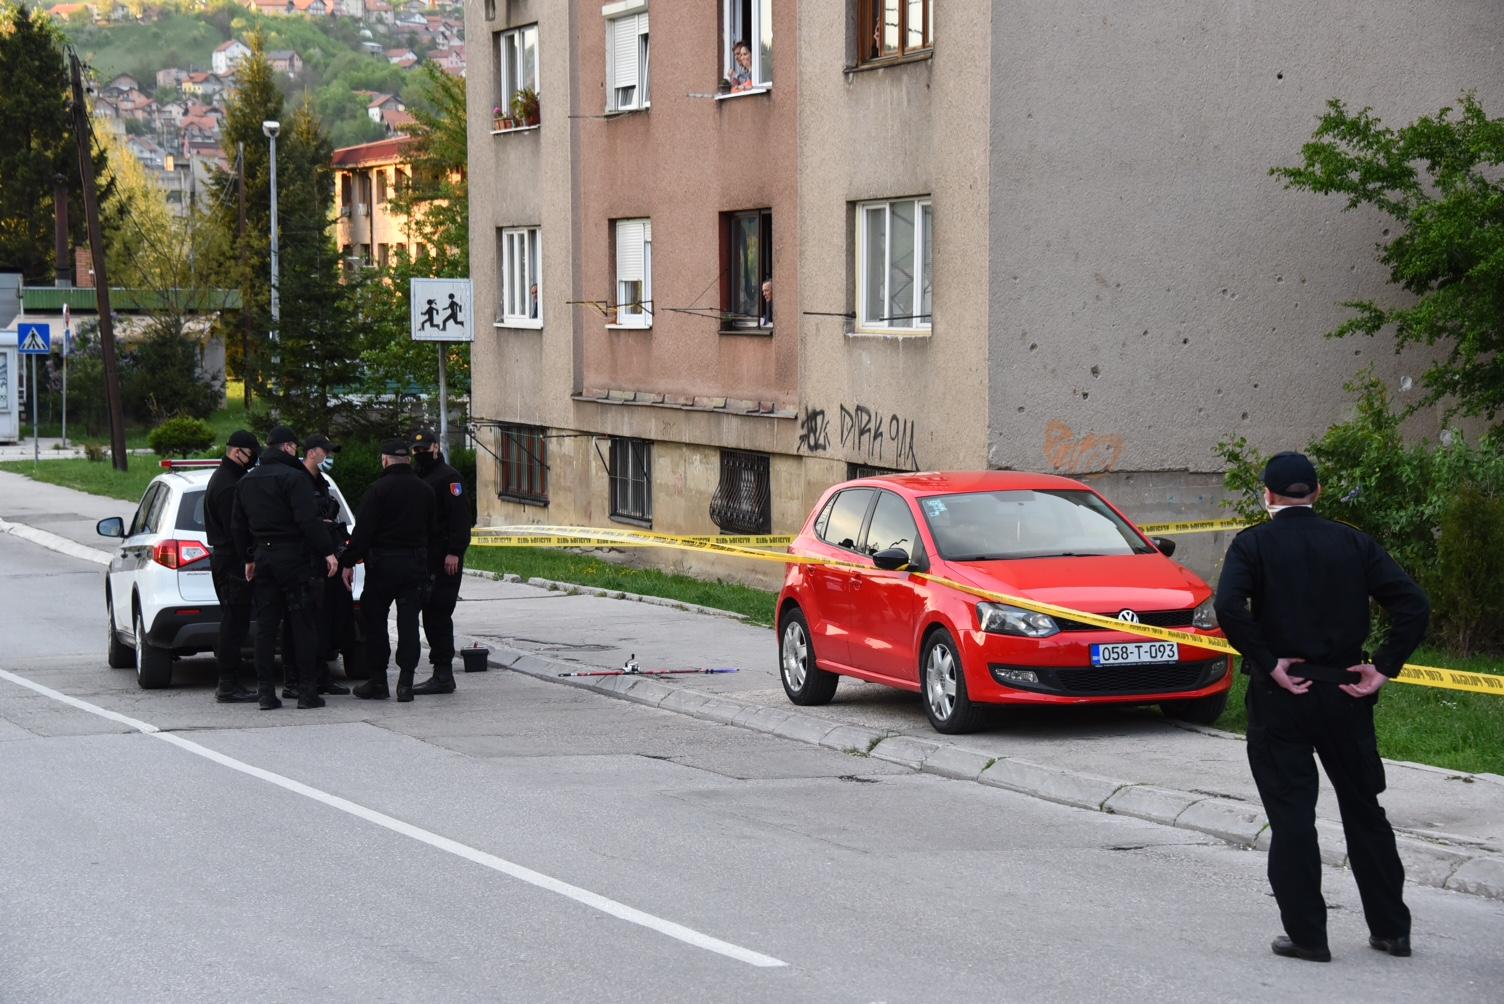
(159, 593)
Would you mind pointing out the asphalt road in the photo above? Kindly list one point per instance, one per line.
(523, 841)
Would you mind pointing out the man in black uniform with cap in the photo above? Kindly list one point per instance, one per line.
(278, 527)
(1294, 601)
(392, 529)
(329, 600)
(446, 559)
(228, 565)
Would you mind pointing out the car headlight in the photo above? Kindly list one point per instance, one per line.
(1205, 616)
(999, 618)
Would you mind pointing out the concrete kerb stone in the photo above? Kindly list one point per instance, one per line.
(1434, 864)
(1146, 801)
(1479, 876)
(904, 750)
(804, 728)
(852, 738)
(954, 762)
(1235, 822)
(1086, 791)
(683, 701)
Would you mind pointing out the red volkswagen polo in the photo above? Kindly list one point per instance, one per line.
(1034, 536)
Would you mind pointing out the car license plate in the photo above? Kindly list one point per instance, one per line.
(1134, 652)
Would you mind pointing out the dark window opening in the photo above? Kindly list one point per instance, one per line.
(631, 473)
(747, 297)
(522, 452)
(743, 500)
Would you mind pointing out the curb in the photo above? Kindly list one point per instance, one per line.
(1443, 861)
(556, 586)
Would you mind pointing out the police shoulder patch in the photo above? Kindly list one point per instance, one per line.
(456, 488)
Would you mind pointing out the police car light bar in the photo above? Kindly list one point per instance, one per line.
(187, 465)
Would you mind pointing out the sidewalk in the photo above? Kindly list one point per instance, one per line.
(1131, 761)
(51, 448)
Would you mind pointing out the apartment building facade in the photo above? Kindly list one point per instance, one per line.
(992, 235)
(368, 230)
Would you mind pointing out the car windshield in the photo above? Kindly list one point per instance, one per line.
(991, 526)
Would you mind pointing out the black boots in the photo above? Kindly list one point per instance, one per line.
(373, 689)
(268, 698)
(1290, 950)
(231, 692)
(441, 682)
(405, 688)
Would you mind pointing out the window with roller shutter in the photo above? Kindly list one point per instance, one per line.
(634, 273)
(627, 62)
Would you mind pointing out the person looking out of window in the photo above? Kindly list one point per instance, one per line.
(740, 77)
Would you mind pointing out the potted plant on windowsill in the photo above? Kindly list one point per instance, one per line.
(499, 121)
(525, 107)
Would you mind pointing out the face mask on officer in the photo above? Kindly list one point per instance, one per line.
(327, 464)
(424, 460)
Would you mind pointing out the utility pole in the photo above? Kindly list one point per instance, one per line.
(245, 312)
(101, 279)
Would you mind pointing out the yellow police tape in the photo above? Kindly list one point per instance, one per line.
(1194, 526)
(748, 547)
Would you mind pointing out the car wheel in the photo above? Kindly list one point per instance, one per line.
(803, 681)
(946, 703)
(153, 665)
(119, 654)
(1198, 711)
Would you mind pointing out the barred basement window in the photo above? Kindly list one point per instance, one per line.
(854, 471)
(523, 454)
(743, 500)
(631, 480)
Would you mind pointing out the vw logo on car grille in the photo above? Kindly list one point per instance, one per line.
(1128, 615)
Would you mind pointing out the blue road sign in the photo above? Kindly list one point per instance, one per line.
(34, 339)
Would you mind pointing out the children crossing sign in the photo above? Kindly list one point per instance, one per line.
(440, 310)
(34, 339)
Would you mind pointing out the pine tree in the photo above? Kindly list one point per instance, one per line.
(38, 144)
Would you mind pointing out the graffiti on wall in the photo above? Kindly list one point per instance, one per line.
(1069, 453)
(882, 439)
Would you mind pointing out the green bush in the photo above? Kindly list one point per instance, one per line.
(178, 437)
(160, 378)
(1402, 494)
(1467, 584)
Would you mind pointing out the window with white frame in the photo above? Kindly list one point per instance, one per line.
(521, 283)
(634, 273)
(631, 479)
(747, 44)
(894, 265)
(627, 62)
(516, 65)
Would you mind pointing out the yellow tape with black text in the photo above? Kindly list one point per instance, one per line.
(751, 547)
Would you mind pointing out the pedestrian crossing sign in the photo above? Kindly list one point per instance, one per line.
(34, 339)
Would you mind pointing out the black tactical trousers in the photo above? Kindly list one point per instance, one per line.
(438, 616)
(235, 601)
(399, 577)
(329, 611)
(1284, 729)
(281, 588)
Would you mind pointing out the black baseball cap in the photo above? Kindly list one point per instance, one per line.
(243, 440)
(425, 437)
(320, 443)
(395, 448)
(1290, 474)
(281, 434)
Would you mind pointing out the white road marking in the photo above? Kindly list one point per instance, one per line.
(53, 542)
(511, 869)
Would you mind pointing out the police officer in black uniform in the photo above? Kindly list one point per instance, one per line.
(446, 559)
(392, 530)
(1294, 601)
(277, 526)
(329, 600)
(228, 565)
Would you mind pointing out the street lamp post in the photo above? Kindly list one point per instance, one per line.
(271, 129)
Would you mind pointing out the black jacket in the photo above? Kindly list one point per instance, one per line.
(275, 501)
(1298, 586)
(219, 504)
(452, 535)
(396, 514)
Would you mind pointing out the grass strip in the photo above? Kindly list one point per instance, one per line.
(92, 476)
(568, 566)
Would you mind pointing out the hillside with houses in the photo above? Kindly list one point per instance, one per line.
(162, 72)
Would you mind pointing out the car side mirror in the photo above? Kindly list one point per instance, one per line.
(891, 559)
(112, 527)
(1165, 544)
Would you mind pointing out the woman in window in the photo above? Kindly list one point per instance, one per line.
(740, 77)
